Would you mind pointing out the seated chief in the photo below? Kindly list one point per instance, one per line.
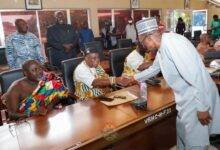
(34, 94)
(90, 78)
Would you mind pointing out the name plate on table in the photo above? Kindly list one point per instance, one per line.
(117, 100)
(158, 115)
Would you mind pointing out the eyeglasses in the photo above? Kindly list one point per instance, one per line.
(142, 41)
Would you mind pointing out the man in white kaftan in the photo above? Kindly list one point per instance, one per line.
(196, 95)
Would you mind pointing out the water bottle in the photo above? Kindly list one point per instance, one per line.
(141, 102)
(143, 91)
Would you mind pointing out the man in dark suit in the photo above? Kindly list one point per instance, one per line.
(63, 39)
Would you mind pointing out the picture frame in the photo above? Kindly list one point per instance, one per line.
(33, 4)
(134, 3)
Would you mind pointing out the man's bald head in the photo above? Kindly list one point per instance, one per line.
(32, 70)
(26, 65)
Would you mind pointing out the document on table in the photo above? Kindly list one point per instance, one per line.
(117, 100)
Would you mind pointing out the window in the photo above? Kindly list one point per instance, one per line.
(78, 17)
(154, 13)
(172, 18)
(104, 16)
(38, 21)
(121, 19)
(139, 14)
(46, 19)
(2, 36)
(8, 22)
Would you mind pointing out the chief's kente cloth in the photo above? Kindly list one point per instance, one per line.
(49, 89)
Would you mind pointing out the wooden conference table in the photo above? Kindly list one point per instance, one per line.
(92, 125)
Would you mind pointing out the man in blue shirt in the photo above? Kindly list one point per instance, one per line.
(85, 35)
(63, 39)
(22, 46)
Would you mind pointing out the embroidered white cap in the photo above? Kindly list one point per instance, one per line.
(146, 25)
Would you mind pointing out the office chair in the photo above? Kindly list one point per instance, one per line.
(212, 54)
(6, 79)
(99, 39)
(98, 46)
(197, 34)
(188, 35)
(3, 60)
(117, 58)
(124, 43)
(68, 67)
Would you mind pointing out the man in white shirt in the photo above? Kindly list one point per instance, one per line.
(138, 60)
(130, 31)
(196, 95)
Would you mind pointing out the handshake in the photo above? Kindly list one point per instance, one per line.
(125, 80)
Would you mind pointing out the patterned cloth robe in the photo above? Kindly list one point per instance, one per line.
(49, 89)
(129, 70)
(83, 91)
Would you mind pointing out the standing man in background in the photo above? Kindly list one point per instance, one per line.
(22, 46)
(180, 27)
(215, 27)
(85, 35)
(130, 31)
(63, 39)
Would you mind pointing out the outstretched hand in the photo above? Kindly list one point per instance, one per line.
(125, 80)
(144, 66)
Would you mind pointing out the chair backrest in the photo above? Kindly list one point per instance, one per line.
(212, 54)
(68, 67)
(117, 59)
(97, 45)
(99, 39)
(3, 60)
(188, 35)
(8, 77)
(197, 34)
(124, 43)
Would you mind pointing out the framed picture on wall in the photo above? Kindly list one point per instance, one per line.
(134, 3)
(33, 4)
